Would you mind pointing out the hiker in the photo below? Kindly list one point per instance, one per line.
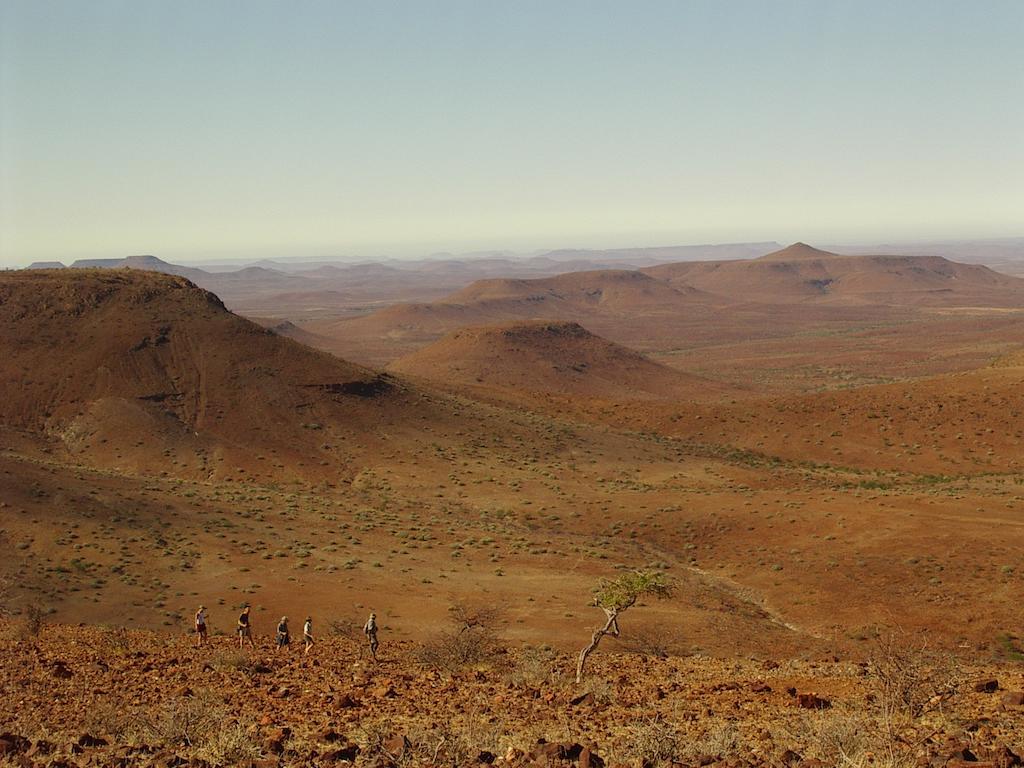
(201, 626)
(370, 630)
(283, 636)
(244, 629)
(307, 634)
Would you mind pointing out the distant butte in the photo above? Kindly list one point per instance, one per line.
(798, 252)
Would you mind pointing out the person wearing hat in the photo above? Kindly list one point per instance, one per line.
(307, 634)
(370, 630)
(201, 626)
(283, 636)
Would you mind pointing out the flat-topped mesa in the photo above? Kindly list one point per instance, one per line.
(798, 252)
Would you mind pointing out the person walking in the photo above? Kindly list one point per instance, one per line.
(370, 630)
(307, 634)
(245, 629)
(283, 635)
(201, 626)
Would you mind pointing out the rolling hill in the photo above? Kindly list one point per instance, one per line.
(801, 273)
(560, 358)
(145, 371)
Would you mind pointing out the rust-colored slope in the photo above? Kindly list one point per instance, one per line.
(145, 371)
(551, 357)
(801, 273)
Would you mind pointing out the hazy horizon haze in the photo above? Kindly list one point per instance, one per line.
(213, 130)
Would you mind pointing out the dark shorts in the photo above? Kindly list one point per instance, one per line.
(201, 629)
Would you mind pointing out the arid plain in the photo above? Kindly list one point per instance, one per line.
(820, 451)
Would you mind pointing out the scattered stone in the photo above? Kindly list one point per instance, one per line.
(88, 741)
(13, 744)
(812, 701)
(348, 753)
(346, 701)
(789, 758)
(396, 746)
(329, 735)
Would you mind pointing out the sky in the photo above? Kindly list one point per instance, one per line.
(220, 129)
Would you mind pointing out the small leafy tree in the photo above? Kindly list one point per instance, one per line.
(615, 596)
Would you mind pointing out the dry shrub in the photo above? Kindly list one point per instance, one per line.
(429, 744)
(228, 746)
(652, 741)
(471, 640)
(107, 717)
(602, 691)
(117, 640)
(910, 679)
(720, 740)
(657, 641)
(233, 661)
(6, 590)
(454, 650)
(911, 684)
(467, 616)
(347, 628)
(836, 737)
(532, 668)
(187, 721)
(32, 620)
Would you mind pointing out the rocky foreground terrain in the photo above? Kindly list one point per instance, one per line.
(91, 696)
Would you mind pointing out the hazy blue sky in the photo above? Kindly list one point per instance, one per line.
(187, 129)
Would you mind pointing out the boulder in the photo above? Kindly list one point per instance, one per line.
(348, 753)
(1013, 698)
(590, 759)
(986, 686)
(13, 744)
(397, 746)
(90, 741)
(328, 734)
(1002, 756)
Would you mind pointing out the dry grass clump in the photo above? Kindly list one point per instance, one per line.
(910, 687)
(836, 737)
(228, 745)
(200, 726)
(719, 740)
(185, 721)
(652, 742)
(532, 668)
(416, 743)
(233, 661)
